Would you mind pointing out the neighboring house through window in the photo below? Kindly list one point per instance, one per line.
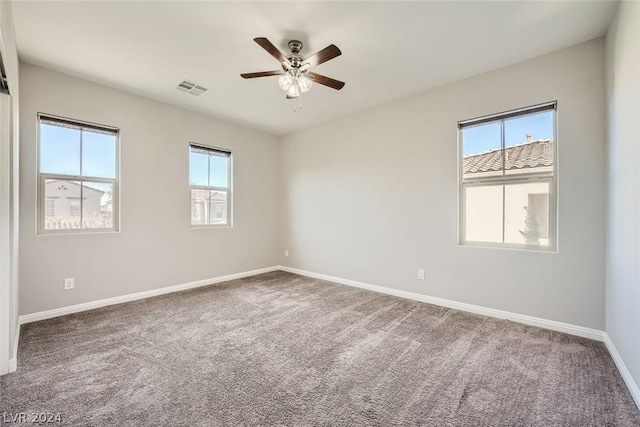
(210, 185)
(507, 179)
(78, 176)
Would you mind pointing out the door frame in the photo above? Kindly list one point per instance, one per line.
(6, 362)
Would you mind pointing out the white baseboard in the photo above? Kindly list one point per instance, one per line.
(13, 362)
(580, 331)
(48, 314)
(622, 368)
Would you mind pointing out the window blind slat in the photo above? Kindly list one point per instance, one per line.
(59, 121)
(209, 150)
(508, 115)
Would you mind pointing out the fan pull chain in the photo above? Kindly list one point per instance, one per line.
(299, 107)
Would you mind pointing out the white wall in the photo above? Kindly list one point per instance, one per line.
(9, 319)
(156, 246)
(623, 245)
(373, 197)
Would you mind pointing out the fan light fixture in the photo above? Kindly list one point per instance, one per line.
(294, 83)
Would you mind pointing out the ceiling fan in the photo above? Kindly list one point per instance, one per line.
(295, 77)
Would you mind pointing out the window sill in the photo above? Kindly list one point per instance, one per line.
(200, 227)
(525, 248)
(75, 232)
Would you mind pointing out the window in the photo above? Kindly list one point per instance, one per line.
(75, 208)
(210, 185)
(507, 179)
(219, 212)
(78, 176)
(50, 208)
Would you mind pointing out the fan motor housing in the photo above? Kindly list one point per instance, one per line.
(295, 61)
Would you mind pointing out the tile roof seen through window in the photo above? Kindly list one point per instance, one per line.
(538, 153)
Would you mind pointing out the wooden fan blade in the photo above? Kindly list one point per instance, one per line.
(327, 81)
(261, 74)
(273, 51)
(324, 55)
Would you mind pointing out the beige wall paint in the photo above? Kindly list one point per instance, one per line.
(370, 197)
(374, 196)
(623, 228)
(156, 246)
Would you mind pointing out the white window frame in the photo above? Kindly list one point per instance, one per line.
(507, 180)
(43, 177)
(228, 189)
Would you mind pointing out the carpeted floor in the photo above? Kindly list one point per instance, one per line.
(280, 349)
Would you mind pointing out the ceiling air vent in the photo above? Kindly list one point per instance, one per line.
(198, 90)
(192, 88)
(186, 86)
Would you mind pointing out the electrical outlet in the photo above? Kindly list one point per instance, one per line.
(69, 283)
(286, 253)
(420, 274)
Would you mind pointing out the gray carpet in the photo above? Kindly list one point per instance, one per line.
(280, 349)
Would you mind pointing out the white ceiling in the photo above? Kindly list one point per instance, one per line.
(389, 49)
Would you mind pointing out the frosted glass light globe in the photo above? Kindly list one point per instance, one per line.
(305, 83)
(294, 90)
(285, 82)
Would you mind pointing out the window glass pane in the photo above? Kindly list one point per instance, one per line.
(97, 205)
(199, 206)
(59, 150)
(482, 151)
(529, 144)
(198, 168)
(527, 214)
(219, 171)
(218, 207)
(98, 155)
(483, 219)
(66, 204)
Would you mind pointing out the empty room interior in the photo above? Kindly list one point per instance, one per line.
(320, 213)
